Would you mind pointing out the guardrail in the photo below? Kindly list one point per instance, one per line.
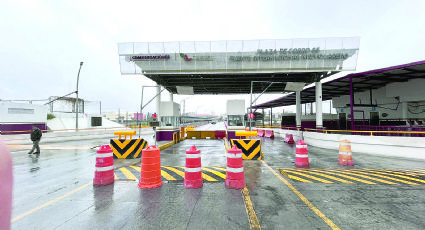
(371, 133)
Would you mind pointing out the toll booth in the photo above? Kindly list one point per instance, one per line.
(170, 121)
(235, 117)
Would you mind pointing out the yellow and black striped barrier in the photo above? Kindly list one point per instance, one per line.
(251, 148)
(355, 176)
(128, 148)
(172, 173)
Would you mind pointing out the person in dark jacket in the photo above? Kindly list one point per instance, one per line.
(35, 138)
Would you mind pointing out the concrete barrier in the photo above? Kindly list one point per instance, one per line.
(193, 134)
(220, 134)
(260, 133)
(251, 148)
(205, 134)
(269, 133)
(128, 148)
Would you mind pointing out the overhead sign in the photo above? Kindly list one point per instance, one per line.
(255, 56)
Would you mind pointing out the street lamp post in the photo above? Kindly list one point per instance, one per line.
(76, 101)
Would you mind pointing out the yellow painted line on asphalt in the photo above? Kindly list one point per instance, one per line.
(385, 177)
(138, 169)
(204, 176)
(127, 173)
(116, 177)
(302, 197)
(50, 202)
(215, 172)
(393, 173)
(342, 175)
(299, 179)
(292, 177)
(402, 172)
(330, 177)
(220, 168)
(178, 172)
(208, 178)
(249, 207)
(309, 176)
(167, 176)
(364, 176)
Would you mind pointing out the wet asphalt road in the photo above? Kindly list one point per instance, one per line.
(53, 191)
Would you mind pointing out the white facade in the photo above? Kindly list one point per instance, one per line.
(169, 109)
(11, 112)
(394, 101)
(236, 107)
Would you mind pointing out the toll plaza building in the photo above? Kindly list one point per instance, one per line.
(240, 67)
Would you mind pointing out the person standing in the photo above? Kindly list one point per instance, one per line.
(35, 138)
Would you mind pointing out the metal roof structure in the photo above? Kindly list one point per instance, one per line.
(233, 83)
(229, 66)
(363, 81)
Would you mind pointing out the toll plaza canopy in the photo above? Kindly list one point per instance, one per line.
(229, 67)
(359, 82)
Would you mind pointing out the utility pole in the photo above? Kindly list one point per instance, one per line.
(76, 101)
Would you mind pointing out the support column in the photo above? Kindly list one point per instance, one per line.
(158, 102)
(319, 115)
(171, 96)
(404, 111)
(298, 108)
(352, 103)
(271, 116)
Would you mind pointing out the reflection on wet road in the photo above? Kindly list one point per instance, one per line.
(54, 191)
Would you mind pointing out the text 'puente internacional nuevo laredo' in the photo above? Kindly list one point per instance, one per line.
(241, 67)
(229, 67)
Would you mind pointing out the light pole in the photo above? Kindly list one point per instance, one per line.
(76, 101)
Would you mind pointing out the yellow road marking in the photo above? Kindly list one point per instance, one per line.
(330, 177)
(116, 177)
(127, 173)
(215, 172)
(205, 176)
(349, 177)
(49, 203)
(220, 168)
(367, 177)
(302, 197)
(178, 172)
(252, 217)
(294, 177)
(299, 179)
(167, 176)
(385, 177)
(308, 176)
(208, 178)
(396, 172)
(393, 173)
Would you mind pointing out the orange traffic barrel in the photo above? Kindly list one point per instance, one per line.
(345, 157)
(150, 173)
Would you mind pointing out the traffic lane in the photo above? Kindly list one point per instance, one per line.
(125, 206)
(362, 206)
(49, 175)
(283, 155)
(217, 126)
(359, 206)
(212, 153)
(276, 206)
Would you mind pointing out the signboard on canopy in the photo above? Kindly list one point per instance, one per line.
(253, 56)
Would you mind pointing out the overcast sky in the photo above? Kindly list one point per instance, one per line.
(43, 42)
